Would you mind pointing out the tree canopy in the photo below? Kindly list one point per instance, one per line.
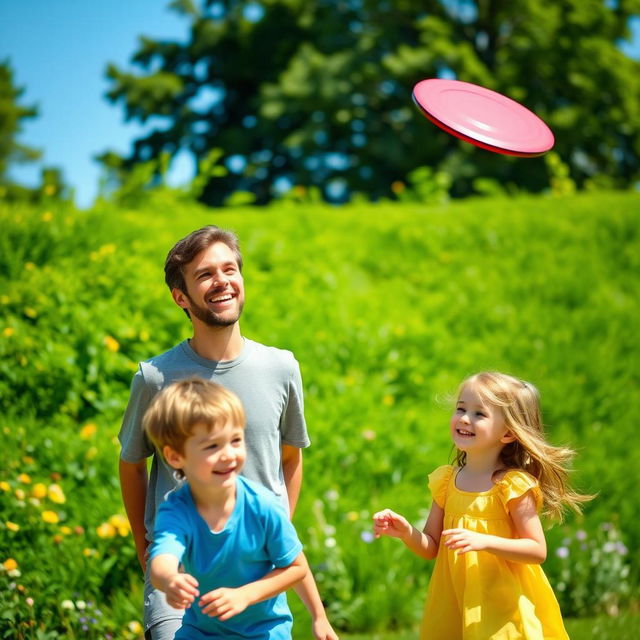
(318, 92)
(12, 152)
(11, 116)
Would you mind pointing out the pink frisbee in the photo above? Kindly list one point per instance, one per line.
(483, 117)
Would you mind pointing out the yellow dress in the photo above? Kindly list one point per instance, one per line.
(476, 595)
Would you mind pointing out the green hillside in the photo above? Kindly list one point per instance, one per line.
(387, 307)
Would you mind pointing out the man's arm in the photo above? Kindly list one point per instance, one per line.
(306, 589)
(292, 472)
(133, 484)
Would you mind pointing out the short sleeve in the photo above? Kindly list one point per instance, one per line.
(170, 533)
(438, 482)
(135, 444)
(283, 545)
(293, 426)
(516, 484)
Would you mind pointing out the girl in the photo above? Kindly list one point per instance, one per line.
(484, 526)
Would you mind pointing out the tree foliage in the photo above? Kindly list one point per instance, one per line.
(12, 152)
(11, 116)
(318, 92)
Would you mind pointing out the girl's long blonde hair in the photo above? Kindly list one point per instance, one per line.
(519, 402)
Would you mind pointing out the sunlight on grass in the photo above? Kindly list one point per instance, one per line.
(623, 627)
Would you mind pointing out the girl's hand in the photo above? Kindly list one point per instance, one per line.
(181, 590)
(463, 540)
(389, 523)
(224, 603)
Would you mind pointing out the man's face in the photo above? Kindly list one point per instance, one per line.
(215, 288)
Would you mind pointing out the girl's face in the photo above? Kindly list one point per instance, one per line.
(476, 425)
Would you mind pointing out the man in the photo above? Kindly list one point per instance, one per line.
(204, 273)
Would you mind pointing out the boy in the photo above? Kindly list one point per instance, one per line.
(232, 536)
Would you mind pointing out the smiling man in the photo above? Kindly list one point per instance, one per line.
(204, 273)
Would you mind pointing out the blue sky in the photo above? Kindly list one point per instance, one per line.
(59, 50)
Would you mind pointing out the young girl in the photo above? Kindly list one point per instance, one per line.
(483, 526)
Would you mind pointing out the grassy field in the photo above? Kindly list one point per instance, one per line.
(387, 307)
(624, 627)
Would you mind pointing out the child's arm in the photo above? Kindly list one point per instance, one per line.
(224, 603)
(180, 588)
(529, 547)
(423, 543)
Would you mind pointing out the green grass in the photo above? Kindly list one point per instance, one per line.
(623, 627)
(387, 307)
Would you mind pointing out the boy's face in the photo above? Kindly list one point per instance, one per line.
(212, 458)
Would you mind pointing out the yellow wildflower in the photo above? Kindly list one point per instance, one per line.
(24, 478)
(12, 526)
(5, 486)
(7, 332)
(388, 400)
(89, 552)
(20, 494)
(56, 494)
(47, 216)
(10, 564)
(39, 490)
(30, 312)
(29, 266)
(67, 531)
(121, 524)
(28, 460)
(112, 344)
(88, 430)
(50, 517)
(106, 530)
(135, 627)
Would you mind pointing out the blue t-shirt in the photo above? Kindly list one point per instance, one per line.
(256, 538)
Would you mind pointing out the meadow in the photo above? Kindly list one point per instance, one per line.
(387, 308)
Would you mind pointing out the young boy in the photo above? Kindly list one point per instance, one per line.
(233, 537)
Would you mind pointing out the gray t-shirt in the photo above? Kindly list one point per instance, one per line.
(267, 381)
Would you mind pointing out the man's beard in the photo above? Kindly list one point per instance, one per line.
(210, 318)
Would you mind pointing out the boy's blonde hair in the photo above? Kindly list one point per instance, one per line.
(178, 408)
(519, 402)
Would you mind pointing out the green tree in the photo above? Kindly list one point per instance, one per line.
(12, 115)
(318, 92)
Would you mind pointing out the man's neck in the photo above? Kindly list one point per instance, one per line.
(220, 344)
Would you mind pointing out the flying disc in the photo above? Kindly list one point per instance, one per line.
(483, 117)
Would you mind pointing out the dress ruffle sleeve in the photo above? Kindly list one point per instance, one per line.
(438, 482)
(515, 484)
